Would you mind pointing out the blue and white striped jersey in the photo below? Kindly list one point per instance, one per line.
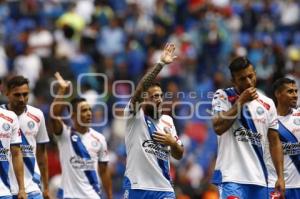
(79, 156)
(148, 163)
(9, 135)
(289, 133)
(241, 149)
(33, 131)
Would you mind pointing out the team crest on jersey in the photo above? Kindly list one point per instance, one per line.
(260, 110)
(30, 124)
(5, 126)
(297, 121)
(94, 143)
(74, 138)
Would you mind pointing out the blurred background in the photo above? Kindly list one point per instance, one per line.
(123, 38)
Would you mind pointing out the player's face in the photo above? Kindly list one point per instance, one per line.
(288, 95)
(83, 113)
(244, 79)
(18, 97)
(155, 96)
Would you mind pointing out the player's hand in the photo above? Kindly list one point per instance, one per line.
(63, 84)
(248, 95)
(22, 194)
(280, 187)
(164, 138)
(167, 55)
(46, 194)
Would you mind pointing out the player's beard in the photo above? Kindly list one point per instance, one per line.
(153, 111)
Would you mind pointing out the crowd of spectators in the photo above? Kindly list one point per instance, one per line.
(103, 46)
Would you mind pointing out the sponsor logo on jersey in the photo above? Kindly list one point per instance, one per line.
(82, 164)
(27, 150)
(154, 148)
(245, 135)
(291, 148)
(4, 154)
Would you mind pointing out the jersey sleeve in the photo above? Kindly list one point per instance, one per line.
(220, 102)
(103, 153)
(42, 135)
(15, 132)
(273, 118)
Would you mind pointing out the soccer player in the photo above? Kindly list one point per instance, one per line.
(285, 93)
(244, 119)
(150, 138)
(34, 138)
(82, 150)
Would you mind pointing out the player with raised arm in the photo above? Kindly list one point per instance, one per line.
(82, 150)
(151, 138)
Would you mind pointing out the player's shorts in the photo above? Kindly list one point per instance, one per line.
(289, 193)
(145, 194)
(32, 195)
(229, 190)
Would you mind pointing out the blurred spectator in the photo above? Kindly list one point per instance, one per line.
(29, 65)
(40, 40)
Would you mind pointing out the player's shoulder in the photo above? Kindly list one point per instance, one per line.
(97, 134)
(167, 119)
(296, 112)
(34, 113)
(8, 115)
(265, 100)
(34, 110)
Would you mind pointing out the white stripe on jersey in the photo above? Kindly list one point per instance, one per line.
(291, 124)
(74, 181)
(9, 134)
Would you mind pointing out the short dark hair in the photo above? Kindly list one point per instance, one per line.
(279, 83)
(238, 64)
(153, 84)
(16, 81)
(74, 103)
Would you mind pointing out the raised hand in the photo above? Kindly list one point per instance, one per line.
(168, 56)
(61, 82)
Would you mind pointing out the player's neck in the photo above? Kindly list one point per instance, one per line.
(81, 129)
(15, 109)
(282, 110)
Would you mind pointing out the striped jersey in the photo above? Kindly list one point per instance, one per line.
(148, 163)
(79, 156)
(9, 135)
(289, 133)
(33, 132)
(241, 149)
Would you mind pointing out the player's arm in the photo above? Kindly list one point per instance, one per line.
(167, 57)
(277, 158)
(106, 178)
(57, 105)
(222, 121)
(18, 166)
(42, 160)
